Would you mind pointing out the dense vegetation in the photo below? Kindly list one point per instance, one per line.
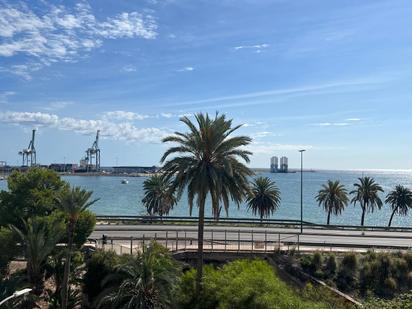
(40, 211)
(247, 284)
(383, 275)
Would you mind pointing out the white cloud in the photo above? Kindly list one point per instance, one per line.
(353, 119)
(270, 148)
(166, 115)
(62, 34)
(4, 96)
(117, 131)
(22, 70)
(332, 124)
(57, 105)
(124, 115)
(129, 68)
(247, 99)
(186, 69)
(258, 47)
(263, 134)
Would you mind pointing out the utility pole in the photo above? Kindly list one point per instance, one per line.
(301, 189)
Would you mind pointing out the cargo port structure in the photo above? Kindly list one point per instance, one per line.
(92, 160)
(279, 166)
(29, 154)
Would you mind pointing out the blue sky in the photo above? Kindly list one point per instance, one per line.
(331, 76)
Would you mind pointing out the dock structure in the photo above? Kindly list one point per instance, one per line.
(29, 155)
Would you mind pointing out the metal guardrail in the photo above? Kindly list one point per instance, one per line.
(239, 241)
(245, 221)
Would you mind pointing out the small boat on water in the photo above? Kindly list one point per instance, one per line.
(124, 181)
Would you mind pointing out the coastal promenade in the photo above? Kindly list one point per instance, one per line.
(256, 239)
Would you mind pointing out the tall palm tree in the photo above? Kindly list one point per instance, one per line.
(400, 201)
(264, 197)
(72, 202)
(333, 197)
(39, 240)
(206, 162)
(143, 281)
(159, 197)
(366, 193)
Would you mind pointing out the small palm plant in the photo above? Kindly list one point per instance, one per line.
(400, 201)
(207, 161)
(72, 202)
(39, 240)
(264, 197)
(333, 197)
(366, 193)
(159, 197)
(143, 281)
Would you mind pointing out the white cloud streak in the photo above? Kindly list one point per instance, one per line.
(124, 115)
(256, 47)
(332, 124)
(267, 148)
(233, 100)
(186, 69)
(124, 131)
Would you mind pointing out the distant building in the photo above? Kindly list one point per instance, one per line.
(274, 164)
(279, 166)
(284, 165)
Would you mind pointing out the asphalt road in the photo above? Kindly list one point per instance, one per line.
(219, 234)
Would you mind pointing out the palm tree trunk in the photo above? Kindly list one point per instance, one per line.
(65, 287)
(36, 278)
(390, 220)
(328, 220)
(199, 275)
(363, 216)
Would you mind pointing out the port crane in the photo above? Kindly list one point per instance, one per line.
(93, 155)
(29, 154)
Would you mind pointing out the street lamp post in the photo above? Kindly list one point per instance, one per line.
(301, 189)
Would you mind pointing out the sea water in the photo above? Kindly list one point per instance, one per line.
(116, 198)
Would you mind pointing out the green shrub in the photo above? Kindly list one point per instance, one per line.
(347, 274)
(84, 227)
(316, 262)
(331, 266)
(306, 263)
(240, 284)
(409, 280)
(98, 267)
(390, 287)
(32, 193)
(8, 249)
(403, 301)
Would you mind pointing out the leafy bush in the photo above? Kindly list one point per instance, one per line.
(306, 263)
(312, 264)
(403, 301)
(145, 280)
(8, 249)
(84, 227)
(240, 284)
(316, 262)
(347, 274)
(331, 266)
(390, 287)
(98, 267)
(409, 280)
(31, 193)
